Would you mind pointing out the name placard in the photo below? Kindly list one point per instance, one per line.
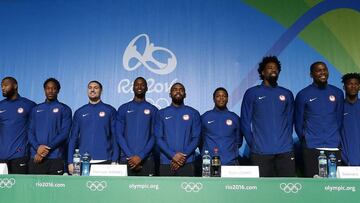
(348, 172)
(239, 171)
(108, 170)
(3, 169)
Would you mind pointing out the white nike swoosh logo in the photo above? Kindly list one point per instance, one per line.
(60, 171)
(130, 111)
(312, 99)
(292, 158)
(346, 114)
(210, 122)
(22, 164)
(262, 97)
(2, 111)
(168, 117)
(85, 114)
(39, 110)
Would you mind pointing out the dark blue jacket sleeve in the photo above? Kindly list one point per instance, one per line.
(340, 109)
(74, 138)
(195, 134)
(120, 132)
(31, 131)
(299, 116)
(290, 111)
(246, 116)
(115, 146)
(239, 135)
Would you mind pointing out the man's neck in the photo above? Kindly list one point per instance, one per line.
(269, 84)
(351, 98)
(139, 98)
(177, 104)
(220, 108)
(94, 101)
(13, 97)
(321, 85)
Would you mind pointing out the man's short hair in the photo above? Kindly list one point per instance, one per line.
(97, 82)
(266, 60)
(220, 89)
(140, 78)
(313, 65)
(177, 83)
(12, 79)
(57, 83)
(349, 76)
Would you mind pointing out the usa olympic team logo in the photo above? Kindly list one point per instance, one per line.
(186, 117)
(332, 98)
(20, 110)
(55, 110)
(282, 98)
(147, 111)
(229, 122)
(102, 114)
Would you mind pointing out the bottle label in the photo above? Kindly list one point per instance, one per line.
(206, 161)
(76, 160)
(216, 162)
(322, 161)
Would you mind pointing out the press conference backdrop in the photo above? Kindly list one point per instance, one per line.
(201, 43)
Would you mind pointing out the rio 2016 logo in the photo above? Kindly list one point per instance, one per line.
(147, 59)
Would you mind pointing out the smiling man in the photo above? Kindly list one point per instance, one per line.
(318, 118)
(93, 129)
(135, 134)
(177, 131)
(267, 122)
(221, 130)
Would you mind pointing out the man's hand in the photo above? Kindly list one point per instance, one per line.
(179, 158)
(174, 166)
(134, 162)
(38, 158)
(71, 168)
(43, 150)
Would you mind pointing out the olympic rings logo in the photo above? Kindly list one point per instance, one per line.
(191, 187)
(96, 185)
(7, 182)
(290, 187)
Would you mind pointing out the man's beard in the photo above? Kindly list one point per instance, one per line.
(273, 80)
(178, 101)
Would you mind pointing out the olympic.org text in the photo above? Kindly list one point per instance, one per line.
(50, 184)
(144, 187)
(340, 188)
(240, 187)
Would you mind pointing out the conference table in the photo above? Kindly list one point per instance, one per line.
(80, 189)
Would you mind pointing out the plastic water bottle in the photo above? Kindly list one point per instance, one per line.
(216, 164)
(206, 164)
(332, 166)
(86, 164)
(322, 165)
(77, 163)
